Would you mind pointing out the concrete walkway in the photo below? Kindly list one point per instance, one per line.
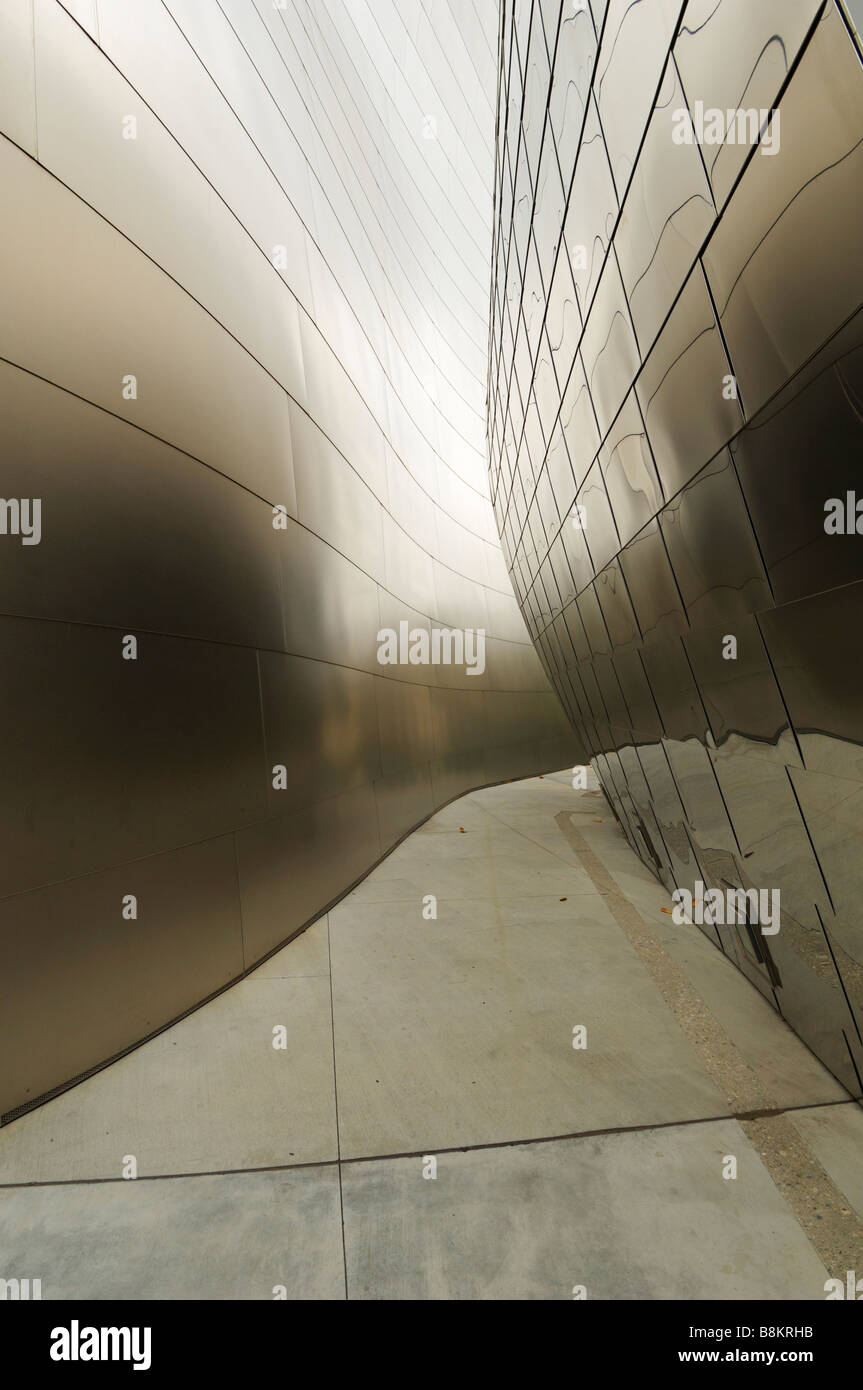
(416, 1044)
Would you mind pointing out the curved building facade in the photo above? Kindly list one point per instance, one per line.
(675, 433)
(303, 535)
(244, 339)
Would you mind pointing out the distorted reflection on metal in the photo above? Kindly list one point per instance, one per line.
(676, 392)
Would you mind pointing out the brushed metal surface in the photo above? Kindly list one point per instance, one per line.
(287, 242)
(105, 980)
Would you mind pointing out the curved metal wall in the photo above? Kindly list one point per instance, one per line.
(677, 350)
(245, 255)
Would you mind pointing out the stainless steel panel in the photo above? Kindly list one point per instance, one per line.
(816, 649)
(817, 416)
(562, 572)
(736, 55)
(599, 528)
(570, 83)
(640, 701)
(712, 547)
(650, 580)
(403, 800)
(631, 481)
(598, 638)
(320, 724)
(404, 715)
(217, 575)
(549, 209)
(771, 832)
(333, 501)
(674, 691)
(563, 322)
(854, 11)
(814, 1002)
(666, 217)
(707, 820)
(547, 507)
(84, 11)
(552, 593)
(599, 8)
(331, 607)
(560, 474)
(832, 810)
(634, 49)
(532, 304)
(459, 604)
(17, 75)
(113, 314)
(808, 194)
(688, 364)
(591, 213)
(550, 15)
(612, 697)
(335, 401)
(576, 631)
(292, 866)
(67, 954)
(536, 82)
(458, 722)
(616, 605)
(80, 142)
(578, 422)
(521, 213)
(115, 759)
(608, 348)
(740, 693)
(587, 722)
(667, 835)
(575, 545)
(604, 739)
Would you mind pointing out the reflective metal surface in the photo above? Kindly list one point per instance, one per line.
(278, 222)
(704, 625)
